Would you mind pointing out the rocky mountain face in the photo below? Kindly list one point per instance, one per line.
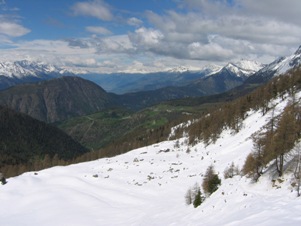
(278, 67)
(57, 99)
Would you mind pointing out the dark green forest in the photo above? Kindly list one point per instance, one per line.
(26, 142)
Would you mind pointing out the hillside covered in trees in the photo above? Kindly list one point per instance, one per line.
(27, 144)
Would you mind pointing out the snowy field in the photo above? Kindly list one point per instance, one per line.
(147, 186)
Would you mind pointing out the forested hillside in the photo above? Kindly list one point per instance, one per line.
(208, 128)
(26, 144)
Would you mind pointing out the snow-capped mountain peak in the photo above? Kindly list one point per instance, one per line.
(249, 65)
(181, 69)
(243, 68)
(24, 68)
(279, 66)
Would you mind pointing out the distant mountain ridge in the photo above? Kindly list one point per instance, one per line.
(24, 71)
(122, 83)
(25, 68)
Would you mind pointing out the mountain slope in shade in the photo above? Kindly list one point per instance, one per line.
(147, 186)
(22, 139)
(278, 67)
(57, 99)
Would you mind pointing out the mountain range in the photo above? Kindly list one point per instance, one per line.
(19, 72)
(67, 96)
(121, 83)
(25, 71)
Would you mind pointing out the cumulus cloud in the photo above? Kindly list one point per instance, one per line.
(146, 37)
(210, 51)
(98, 30)
(239, 29)
(97, 8)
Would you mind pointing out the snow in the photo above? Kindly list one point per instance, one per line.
(147, 187)
(245, 67)
(240, 68)
(25, 68)
(284, 64)
(183, 69)
(249, 65)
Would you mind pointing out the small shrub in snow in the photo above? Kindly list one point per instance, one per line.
(2, 179)
(188, 197)
(231, 171)
(188, 150)
(194, 196)
(251, 167)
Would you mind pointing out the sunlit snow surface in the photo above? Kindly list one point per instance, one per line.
(147, 186)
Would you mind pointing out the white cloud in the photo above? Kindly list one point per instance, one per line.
(133, 21)
(12, 29)
(146, 37)
(210, 51)
(239, 29)
(98, 30)
(97, 8)
(203, 32)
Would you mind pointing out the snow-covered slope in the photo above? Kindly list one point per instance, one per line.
(147, 187)
(288, 63)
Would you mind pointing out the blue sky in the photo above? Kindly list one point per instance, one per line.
(147, 35)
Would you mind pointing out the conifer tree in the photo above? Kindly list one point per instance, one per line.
(198, 199)
(285, 137)
(211, 180)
